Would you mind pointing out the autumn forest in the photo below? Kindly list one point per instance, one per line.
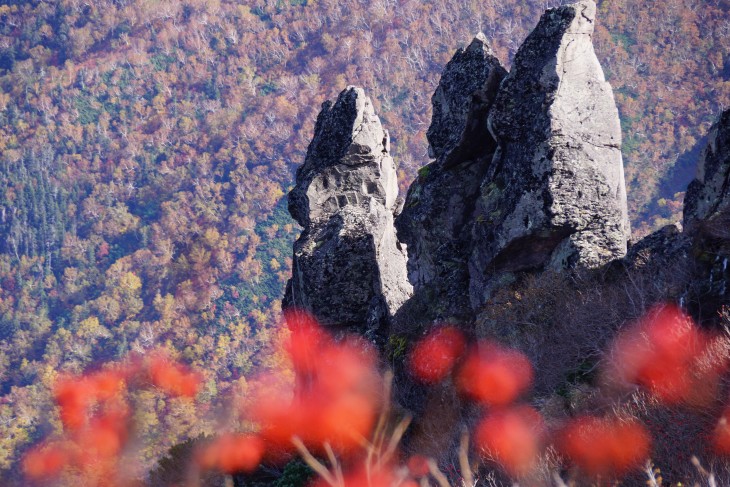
(147, 146)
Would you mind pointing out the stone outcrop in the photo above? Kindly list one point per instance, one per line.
(348, 268)
(437, 218)
(526, 180)
(707, 220)
(554, 196)
(708, 195)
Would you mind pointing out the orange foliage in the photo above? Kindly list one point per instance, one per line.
(605, 446)
(512, 438)
(494, 375)
(434, 356)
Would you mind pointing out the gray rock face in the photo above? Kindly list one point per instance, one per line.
(461, 104)
(709, 194)
(437, 218)
(555, 194)
(349, 268)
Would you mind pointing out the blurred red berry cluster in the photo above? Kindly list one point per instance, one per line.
(334, 406)
(665, 353)
(334, 401)
(493, 376)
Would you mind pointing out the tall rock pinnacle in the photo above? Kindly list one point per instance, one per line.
(437, 217)
(349, 268)
(555, 195)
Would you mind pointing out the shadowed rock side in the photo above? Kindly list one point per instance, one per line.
(554, 196)
(707, 221)
(709, 193)
(437, 218)
(349, 268)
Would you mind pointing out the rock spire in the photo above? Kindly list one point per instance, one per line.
(555, 194)
(708, 194)
(437, 217)
(349, 269)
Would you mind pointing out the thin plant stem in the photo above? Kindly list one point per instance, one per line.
(437, 474)
(466, 472)
(395, 440)
(708, 475)
(335, 464)
(314, 463)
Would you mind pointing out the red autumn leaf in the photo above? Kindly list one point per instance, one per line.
(494, 375)
(346, 421)
(661, 353)
(306, 338)
(44, 462)
(605, 446)
(512, 438)
(173, 378)
(74, 397)
(232, 453)
(434, 356)
(106, 384)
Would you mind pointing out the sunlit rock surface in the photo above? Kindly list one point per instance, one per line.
(555, 195)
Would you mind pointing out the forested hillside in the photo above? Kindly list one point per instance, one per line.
(146, 148)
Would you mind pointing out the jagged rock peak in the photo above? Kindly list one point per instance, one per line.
(709, 193)
(556, 195)
(348, 161)
(348, 268)
(466, 90)
(437, 218)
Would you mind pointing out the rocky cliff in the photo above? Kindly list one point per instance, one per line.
(526, 175)
(516, 230)
(437, 218)
(708, 195)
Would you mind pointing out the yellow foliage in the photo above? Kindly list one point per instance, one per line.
(130, 282)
